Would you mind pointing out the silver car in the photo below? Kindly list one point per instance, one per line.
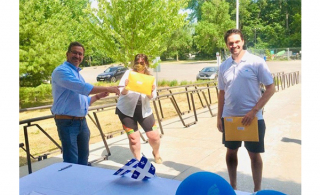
(208, 73)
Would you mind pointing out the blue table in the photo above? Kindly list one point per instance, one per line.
(79, 179)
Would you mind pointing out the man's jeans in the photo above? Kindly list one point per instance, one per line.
(74, 135)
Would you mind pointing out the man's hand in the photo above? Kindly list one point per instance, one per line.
(219, 125)
(102, 95)
(98, 96)
(114, 89)
(248, 118)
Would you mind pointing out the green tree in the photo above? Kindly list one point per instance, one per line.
(249, 19)
(77, 29)
(125, 28)
(180, 43)
(39, 38)
(269, 23)
(195, 7)
(214, 23)
(295, 37)
(272, 20)
(46, 27)
(279, 21)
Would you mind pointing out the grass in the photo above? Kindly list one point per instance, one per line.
(109, 121)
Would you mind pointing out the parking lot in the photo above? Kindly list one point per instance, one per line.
(188, 70)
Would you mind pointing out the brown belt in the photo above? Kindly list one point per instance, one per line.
(68, 117)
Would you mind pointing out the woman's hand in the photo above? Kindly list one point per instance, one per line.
(151, 95)
(124, 90)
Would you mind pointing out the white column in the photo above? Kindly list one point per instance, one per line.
(237, 15)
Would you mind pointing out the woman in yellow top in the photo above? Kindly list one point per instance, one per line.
(134, 107)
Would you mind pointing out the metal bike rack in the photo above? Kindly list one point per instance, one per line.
(282, 80)
(25, 130)
(186, 89)
(191, 102)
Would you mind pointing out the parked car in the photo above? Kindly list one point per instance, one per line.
(208, 73)
(112, 74)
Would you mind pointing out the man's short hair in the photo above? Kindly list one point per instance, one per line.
(232, 31)
(75, 44)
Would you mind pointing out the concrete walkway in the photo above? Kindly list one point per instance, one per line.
(199, 148)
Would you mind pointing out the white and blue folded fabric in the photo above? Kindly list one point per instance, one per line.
(144, 170)
(128, 167)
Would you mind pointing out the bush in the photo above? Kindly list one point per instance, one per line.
(40, 93)
(173, 83)
(163, 57)
(106, 84)
(185, 82)
(163, 83)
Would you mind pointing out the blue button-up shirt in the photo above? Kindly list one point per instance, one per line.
(70, 91)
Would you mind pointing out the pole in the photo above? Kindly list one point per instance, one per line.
(255, 38)
(157, 79)
(218, 58)
(237, 15)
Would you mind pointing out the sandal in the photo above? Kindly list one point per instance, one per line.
(157, 160)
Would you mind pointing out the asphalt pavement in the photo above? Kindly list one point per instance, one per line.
(188, 70)
(186, 150)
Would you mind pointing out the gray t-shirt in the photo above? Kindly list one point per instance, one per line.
(241, 83)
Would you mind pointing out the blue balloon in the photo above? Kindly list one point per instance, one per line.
(205, 183)
(269, 192)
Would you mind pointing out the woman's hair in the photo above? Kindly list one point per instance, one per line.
(144, 59)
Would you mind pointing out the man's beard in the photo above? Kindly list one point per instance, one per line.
(233, 52)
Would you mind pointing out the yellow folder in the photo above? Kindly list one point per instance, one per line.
(236, 131)
(141, 83)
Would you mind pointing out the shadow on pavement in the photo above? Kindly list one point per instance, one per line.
(297, 141)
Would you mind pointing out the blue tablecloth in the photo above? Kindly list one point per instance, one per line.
(79, 179)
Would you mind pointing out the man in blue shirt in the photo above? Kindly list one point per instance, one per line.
(240, 95)
(70, 105)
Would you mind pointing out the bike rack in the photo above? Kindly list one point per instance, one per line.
(176, 107)
(25, 130)
(283, 79)
(26, 138)
(186, 88)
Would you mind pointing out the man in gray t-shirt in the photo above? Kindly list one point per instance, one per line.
(239, 82)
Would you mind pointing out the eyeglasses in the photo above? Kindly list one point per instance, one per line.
(75, 53)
